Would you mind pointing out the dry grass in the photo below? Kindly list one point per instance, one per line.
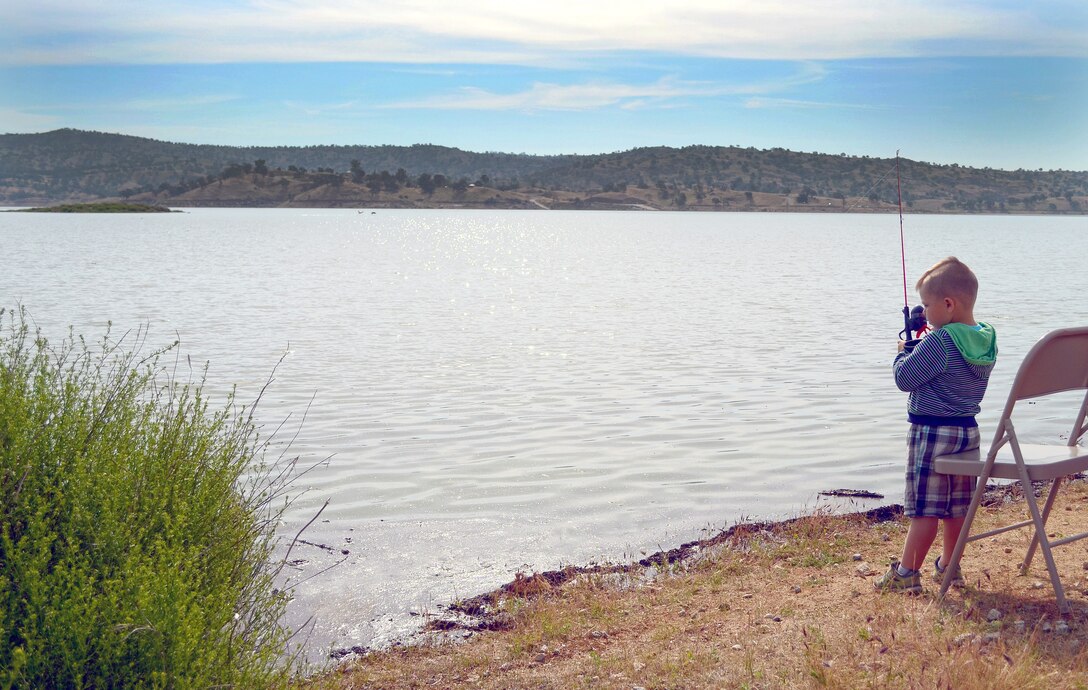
(783, 607)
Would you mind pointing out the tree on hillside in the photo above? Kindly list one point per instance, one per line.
(389, 182)
(460, 187)
(358, 175)
(232, 170)
(426, 183)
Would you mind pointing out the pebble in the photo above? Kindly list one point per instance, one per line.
(737, 647)
(748, 596)
(857, 556)
(963, 639)
(1061, 628)
(991, 637)
(539, 658)
(772, 617)
(863, 569)
(598, 634)
(1018, 627)
(993, 615)
(1037, 585)
(796, 589)
(1047, 627)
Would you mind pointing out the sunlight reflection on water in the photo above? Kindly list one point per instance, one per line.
(504, 390)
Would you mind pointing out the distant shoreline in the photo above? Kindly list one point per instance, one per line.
(178, 207)
(99, 207)
(69, 166)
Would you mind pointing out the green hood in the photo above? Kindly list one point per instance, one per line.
(976, 346)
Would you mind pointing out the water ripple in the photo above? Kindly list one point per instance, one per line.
(497, 390)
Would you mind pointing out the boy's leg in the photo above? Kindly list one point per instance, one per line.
(951, 528)
(920, 536)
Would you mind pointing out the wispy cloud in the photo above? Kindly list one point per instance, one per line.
(163, 104)
(663, 93)
(532, 31)
(765, 102)
(156, 105)
(315, 109)
(18, 120)
(545, 96)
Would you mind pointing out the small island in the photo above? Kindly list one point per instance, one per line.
(102, 207)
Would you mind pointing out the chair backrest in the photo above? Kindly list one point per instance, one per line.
(1058, 362)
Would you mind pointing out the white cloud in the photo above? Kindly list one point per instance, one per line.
(765, 102)
(161, 104)
(315, 109)
(531, 31)
(544, 96)
(663, 93)
(15, 120)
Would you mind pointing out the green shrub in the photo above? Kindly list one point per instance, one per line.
(136, 525)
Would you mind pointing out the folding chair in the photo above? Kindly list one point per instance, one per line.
(1057, 363)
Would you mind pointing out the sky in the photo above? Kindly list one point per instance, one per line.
(984, 83)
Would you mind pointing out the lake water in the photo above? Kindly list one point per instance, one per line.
(497, 391)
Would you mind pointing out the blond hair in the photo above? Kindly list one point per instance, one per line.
(949, 278)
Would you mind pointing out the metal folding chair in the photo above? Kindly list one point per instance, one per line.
(1057, 363)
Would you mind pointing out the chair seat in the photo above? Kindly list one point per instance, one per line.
(1043, 462)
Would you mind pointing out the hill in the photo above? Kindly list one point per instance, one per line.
(77, 166)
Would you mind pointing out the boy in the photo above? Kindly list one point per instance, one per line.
(946, 374)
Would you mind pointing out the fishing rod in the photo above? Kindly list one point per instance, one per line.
(902, 250)
(913, 319)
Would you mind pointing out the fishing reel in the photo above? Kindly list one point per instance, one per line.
(914, 321)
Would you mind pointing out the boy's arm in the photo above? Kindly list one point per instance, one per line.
(916, 368)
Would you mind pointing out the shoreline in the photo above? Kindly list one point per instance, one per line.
(483, 612)
(181, 206)
(778, 604)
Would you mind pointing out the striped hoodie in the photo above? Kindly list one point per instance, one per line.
(946, 374)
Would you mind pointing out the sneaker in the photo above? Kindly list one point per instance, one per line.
(892, 581)
(938, 574)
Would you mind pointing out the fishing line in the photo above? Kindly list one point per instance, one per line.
(913, 320)
(865, 195)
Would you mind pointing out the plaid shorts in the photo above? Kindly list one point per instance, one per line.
(929, 494)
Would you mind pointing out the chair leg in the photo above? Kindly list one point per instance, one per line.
(1044, 543)
(1046, 516)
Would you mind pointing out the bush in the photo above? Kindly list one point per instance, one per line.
(136, 526)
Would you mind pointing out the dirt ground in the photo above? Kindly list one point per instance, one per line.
(787, 605)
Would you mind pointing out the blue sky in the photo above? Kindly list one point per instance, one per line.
(999, 84)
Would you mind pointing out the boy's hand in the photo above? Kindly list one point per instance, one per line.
(901, 344)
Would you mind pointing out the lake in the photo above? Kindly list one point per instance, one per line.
(498, 391)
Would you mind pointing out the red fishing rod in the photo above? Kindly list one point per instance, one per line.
(902, 250)
(913, 319)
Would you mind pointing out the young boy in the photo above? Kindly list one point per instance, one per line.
(946, 374)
